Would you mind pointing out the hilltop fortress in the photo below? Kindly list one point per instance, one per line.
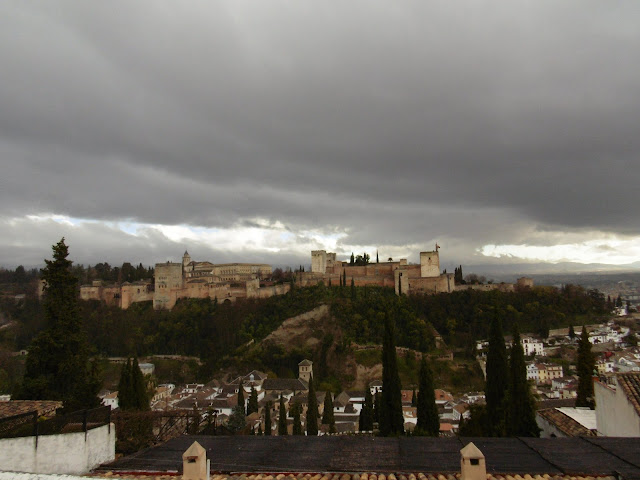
(229, 281)
(189, 279)
(405, 278)
(226, 282)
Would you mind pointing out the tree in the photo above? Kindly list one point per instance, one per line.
(572, 333)
(428, 420)
(585, 367)
(57, 366)
(391, 418)
(282, 418)
(312, 410)
(521, 415)
(353, 290)
(241, 396)
(365, 421)
(352, 259)
(252, 403)
(295, 411)
(497, 378)
(414, 398)
(237, 421)
(267, 418)
(344, 277)
(327, 413)
(132, 388)
(377, 258)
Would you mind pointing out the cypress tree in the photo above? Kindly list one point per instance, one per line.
(521, 416)
(365, 421)
(428, 420)
(312, 410)
(260, 429)
(391, 418)
(353, 290)
(57, 366)
(344, 277)
(497, 378)
(267, 419)
(140, 399)
(252, 404)
(377, 258)
(327, 413)
(296, 411)
(124, 387)
(585, 367)
(282, 418)
(572, 332)
(377, 408)
(352, 260)
(414, 399)
(241, 396)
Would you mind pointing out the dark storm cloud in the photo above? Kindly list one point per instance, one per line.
(397, 123)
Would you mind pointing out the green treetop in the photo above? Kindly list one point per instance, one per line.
(295, 411)
(521, 414)
(428, 420)
(585, 368)
(57, 366)
(391, 418)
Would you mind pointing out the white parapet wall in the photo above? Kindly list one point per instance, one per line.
(66, 453)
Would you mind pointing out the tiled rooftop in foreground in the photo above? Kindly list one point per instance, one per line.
(375, 458)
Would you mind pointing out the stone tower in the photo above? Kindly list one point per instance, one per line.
(186, 259)
(429, 264)
(305, 370)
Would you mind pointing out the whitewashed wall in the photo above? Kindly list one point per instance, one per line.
(67, 453)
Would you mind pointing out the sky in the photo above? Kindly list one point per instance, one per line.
(254, 131)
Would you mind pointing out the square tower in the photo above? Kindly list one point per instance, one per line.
(429, 264)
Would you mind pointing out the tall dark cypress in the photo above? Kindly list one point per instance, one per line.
(353, 290)
(365, 421)
(585, 367)
(241, 397)
(428, 420)
(521, 415)
(327, 412)
(295, 410)
(252, 403)
(391, 418)
(140, 400)
(125, 393)
(312, 410)
(267, 418)
(497, 378)
(282, 418)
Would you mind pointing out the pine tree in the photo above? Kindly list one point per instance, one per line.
(365, 421)
(521, 415)
(428, 420)
(252, 404)
(585, 367)
(282, 418)
(497, 378)
(312, 410)
(267, 418)
(296, 411)
(391, 418)
(327, 413)
(57, 366)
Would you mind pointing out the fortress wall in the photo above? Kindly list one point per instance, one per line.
(503, 287)
(135, 293)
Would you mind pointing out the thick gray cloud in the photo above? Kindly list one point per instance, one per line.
(397, 124)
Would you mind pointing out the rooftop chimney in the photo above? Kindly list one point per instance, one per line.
(472, 464)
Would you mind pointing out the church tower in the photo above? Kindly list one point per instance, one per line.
(186, 260)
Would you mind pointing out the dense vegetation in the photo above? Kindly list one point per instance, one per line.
(214, 331)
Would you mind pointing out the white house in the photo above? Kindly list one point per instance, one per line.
(531, 346)
(618, 406)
